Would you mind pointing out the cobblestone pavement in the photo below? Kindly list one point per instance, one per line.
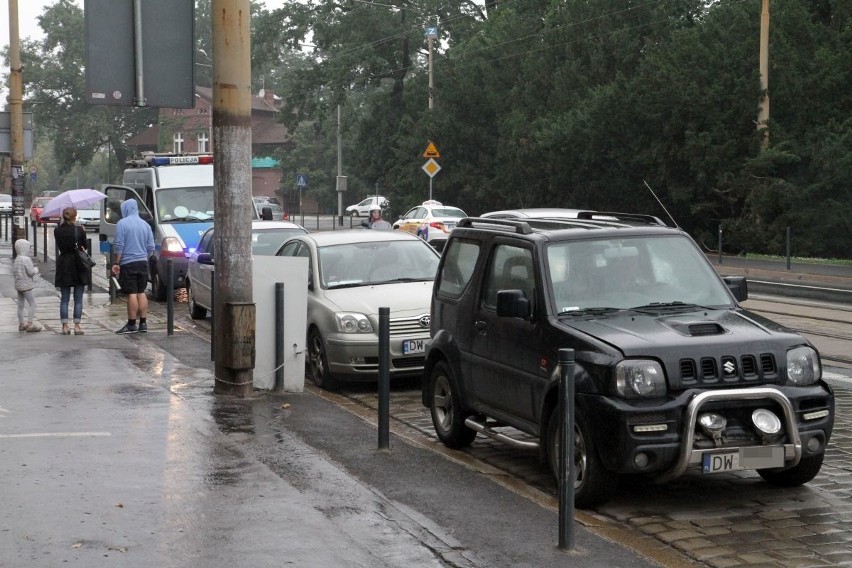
(727, 520)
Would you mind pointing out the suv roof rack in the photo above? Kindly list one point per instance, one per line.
(516, 226)
(614, 216)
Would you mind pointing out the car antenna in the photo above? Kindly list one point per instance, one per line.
(661, 204)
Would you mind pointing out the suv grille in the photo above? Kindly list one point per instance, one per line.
(728, 369)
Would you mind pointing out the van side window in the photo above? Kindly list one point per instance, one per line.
(459, 262)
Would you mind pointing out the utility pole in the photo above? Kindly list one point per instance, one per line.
(16, 124)
(234, 310)
(341, 181)
(431, 35)
(763, 113)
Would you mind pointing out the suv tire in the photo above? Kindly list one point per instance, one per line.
(804, 471)
(446, 408)
(593, 484)
(318, 362)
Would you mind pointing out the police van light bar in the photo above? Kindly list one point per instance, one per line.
(180, 160)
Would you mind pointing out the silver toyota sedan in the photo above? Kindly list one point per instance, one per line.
(351, 275)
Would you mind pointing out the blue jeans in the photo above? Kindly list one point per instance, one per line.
(78, 303)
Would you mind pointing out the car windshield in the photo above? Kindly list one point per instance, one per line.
(266, 242)
(185, 204)
(362, 264)
(448, 212)
(640, 272)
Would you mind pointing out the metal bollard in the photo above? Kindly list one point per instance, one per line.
(44, 226)
(35, 241)
(89, 251)
(720, 244)
(212, 315)
(170, 296)
(384, 378)
(279, 336)
(110, 262)
(787, 239)
(567, 467)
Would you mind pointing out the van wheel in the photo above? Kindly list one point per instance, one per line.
(593, 484)
(158, 288)
(446, 409)
(804, 471)
(196, 312)
(318, 362)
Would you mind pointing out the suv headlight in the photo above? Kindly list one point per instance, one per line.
(351, 322)
(803, 366)
(639, 379)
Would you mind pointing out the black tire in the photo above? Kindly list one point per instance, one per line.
(804, 471)
(158, 288)
(445, 406)
(354, 214)
(196, 312)
(318, 369)
(593, 484)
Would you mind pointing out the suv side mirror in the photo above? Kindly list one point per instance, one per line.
(512, 304)
(204, 258)
(266, 213)
(738, 285)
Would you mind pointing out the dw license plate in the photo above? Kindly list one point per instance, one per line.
(411, 346)
(752, 457)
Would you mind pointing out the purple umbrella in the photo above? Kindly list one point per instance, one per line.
(76, 198)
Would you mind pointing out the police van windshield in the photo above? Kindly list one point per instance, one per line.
(187, 204)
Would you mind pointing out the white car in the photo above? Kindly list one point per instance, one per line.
(432, 221)
(362, 209)
(266, 238)
(5, 203)
(90, 217)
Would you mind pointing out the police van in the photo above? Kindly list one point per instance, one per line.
(174, 193)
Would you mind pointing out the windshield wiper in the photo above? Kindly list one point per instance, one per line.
(347, 285)
(593, 311)
(394, 280)
(190, 218)
(669, 306)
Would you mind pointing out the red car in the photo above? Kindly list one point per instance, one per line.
(35, 211)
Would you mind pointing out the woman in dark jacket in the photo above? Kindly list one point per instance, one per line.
(69, 271)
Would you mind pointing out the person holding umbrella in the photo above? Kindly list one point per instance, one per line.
(70, 274)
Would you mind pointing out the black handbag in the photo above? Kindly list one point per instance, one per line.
(83, 257)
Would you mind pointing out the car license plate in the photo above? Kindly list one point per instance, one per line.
(411, 346)
(751, 457)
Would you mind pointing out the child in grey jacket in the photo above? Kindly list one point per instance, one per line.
(25, 271)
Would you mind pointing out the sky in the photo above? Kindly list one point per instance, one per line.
(29, 10)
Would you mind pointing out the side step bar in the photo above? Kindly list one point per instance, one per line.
(488, 430)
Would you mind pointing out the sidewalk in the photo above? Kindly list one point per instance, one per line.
(114, 451)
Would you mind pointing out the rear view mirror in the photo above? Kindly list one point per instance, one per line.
(512, 304)
(204, 258)
(738, 285)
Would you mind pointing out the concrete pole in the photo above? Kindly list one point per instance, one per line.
(16, 124)
(763, 113)
(233, 310)
(339, 169)
(431, 79)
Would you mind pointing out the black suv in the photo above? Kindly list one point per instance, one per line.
(671, 374)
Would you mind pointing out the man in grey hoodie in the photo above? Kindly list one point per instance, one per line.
(133, 245)
(25, 272)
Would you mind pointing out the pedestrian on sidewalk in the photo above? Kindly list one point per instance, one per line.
(133, 245)
(25, 272)
(70, 273)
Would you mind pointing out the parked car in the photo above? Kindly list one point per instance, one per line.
(266, 239)
(5, 203)
(362, 209)
(351, 275)
(90, 218)
(275, 210)
(432, 221)
(672, 374)
(35, 211)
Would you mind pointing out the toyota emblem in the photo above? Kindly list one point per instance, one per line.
(425, 320)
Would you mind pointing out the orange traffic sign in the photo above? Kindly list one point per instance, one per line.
(431, 151)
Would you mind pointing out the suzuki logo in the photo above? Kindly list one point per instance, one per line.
(425, 321)
(729, 367)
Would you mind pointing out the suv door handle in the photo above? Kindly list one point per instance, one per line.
(480, 325)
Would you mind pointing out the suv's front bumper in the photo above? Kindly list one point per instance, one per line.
(635, 442)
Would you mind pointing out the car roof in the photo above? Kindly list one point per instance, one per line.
(325, 238)
(535, 212)
(260, 224)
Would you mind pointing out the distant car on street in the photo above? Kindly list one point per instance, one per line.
(90, 217)
(362, 209)
(351, 274)
(5, 203)
(432, 221)
(266, 239)
(35, 211)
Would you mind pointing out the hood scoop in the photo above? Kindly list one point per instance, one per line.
(696, 328)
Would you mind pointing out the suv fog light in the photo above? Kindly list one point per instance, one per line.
(641, 460)
(766, 421)
(813, 444)
(713, 425)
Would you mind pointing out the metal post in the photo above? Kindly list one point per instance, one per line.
(44, 226)
(110, 262)
(279, 336)
(384, 378)
(35, 241)
(170, 296)
(788, 248)
(567, 471)
(720, 244)
(212, 319)
(89, 250)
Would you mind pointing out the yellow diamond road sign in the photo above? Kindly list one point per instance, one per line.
(431, 167)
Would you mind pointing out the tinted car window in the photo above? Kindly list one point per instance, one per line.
(459, 262)
(511, 269)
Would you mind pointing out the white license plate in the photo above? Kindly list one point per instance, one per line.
(411, 346)
(751, 457)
